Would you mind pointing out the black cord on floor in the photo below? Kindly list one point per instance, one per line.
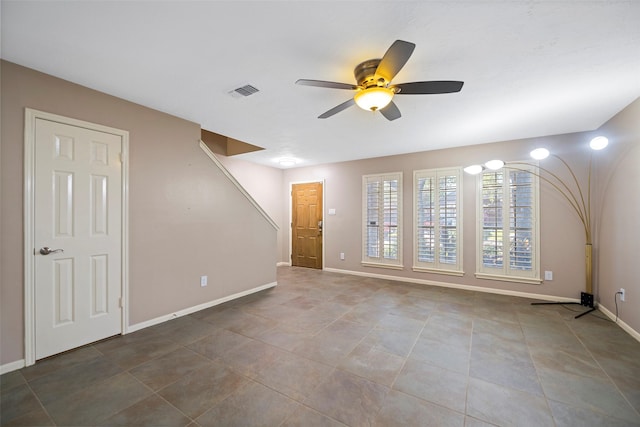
(615, 299)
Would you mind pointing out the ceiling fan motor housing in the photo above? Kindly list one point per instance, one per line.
(365, 74)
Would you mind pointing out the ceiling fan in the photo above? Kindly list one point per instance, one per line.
(374, 90)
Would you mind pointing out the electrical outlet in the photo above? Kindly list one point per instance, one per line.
(342, 256)
(548, 275)
(621, 294)
(203, 281)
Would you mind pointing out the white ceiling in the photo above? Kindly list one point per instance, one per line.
(531, 68)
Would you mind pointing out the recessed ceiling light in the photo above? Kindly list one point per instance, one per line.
(287, 161)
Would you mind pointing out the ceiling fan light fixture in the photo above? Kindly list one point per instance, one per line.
(373, 98)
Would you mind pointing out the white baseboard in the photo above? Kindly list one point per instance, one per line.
(13, 366)
(628, 329)
(190, 310)
(455, 286)
(283, 264)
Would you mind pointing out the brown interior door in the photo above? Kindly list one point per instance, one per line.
(306, 226)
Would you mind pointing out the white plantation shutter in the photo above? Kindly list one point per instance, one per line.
(438, 220)
(521, 220)
(508, 211)
(382, 234)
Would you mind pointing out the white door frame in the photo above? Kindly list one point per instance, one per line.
(324, 228)
(31, 116)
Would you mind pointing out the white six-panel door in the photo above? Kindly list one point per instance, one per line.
(77, 198)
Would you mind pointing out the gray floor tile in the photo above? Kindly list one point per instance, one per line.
(284, 337)
(454, 357)
(150, 412)
(96, 403)
(37, 418)
(219, 342)
(596, 394)
(332, 344)
(347, 398)
(252, 405)
(569, 416)
(130, 354)
(199, 391)
(434, 384)
(474, 422)
(501, 347)
(294, 376)
(73, 378)
(403, 410)
(510, 331)
(60, 361)
(307, 417)
(374, 364)
(10, 380)
(519, 374)
(396, 342)
(189, 331)
(566, 361)
(500, 405)
(17, 401)
(164, 370)
(252, 358)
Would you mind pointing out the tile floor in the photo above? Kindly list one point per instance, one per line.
(324, 349)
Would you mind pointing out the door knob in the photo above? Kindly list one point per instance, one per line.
(46, 250)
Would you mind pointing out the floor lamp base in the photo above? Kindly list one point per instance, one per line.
(586, 300)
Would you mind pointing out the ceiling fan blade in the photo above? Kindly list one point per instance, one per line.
(394, 59)
(428, 88)
(322, 83)
(391, 111)
(337, 109)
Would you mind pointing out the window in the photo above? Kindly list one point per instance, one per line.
(382, 222)
(508, 229)
(437, 216)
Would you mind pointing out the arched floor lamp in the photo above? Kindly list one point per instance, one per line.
(573, 194)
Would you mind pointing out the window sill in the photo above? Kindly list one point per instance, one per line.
(526, 280)
(438, 271)
(380, 265)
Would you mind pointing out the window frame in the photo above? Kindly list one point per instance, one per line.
(506, 273)
(381, 261)
(436, 266)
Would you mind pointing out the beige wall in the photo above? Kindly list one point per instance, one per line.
(618, 230)
(561, 234)
(264, 183)
(186, 218)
